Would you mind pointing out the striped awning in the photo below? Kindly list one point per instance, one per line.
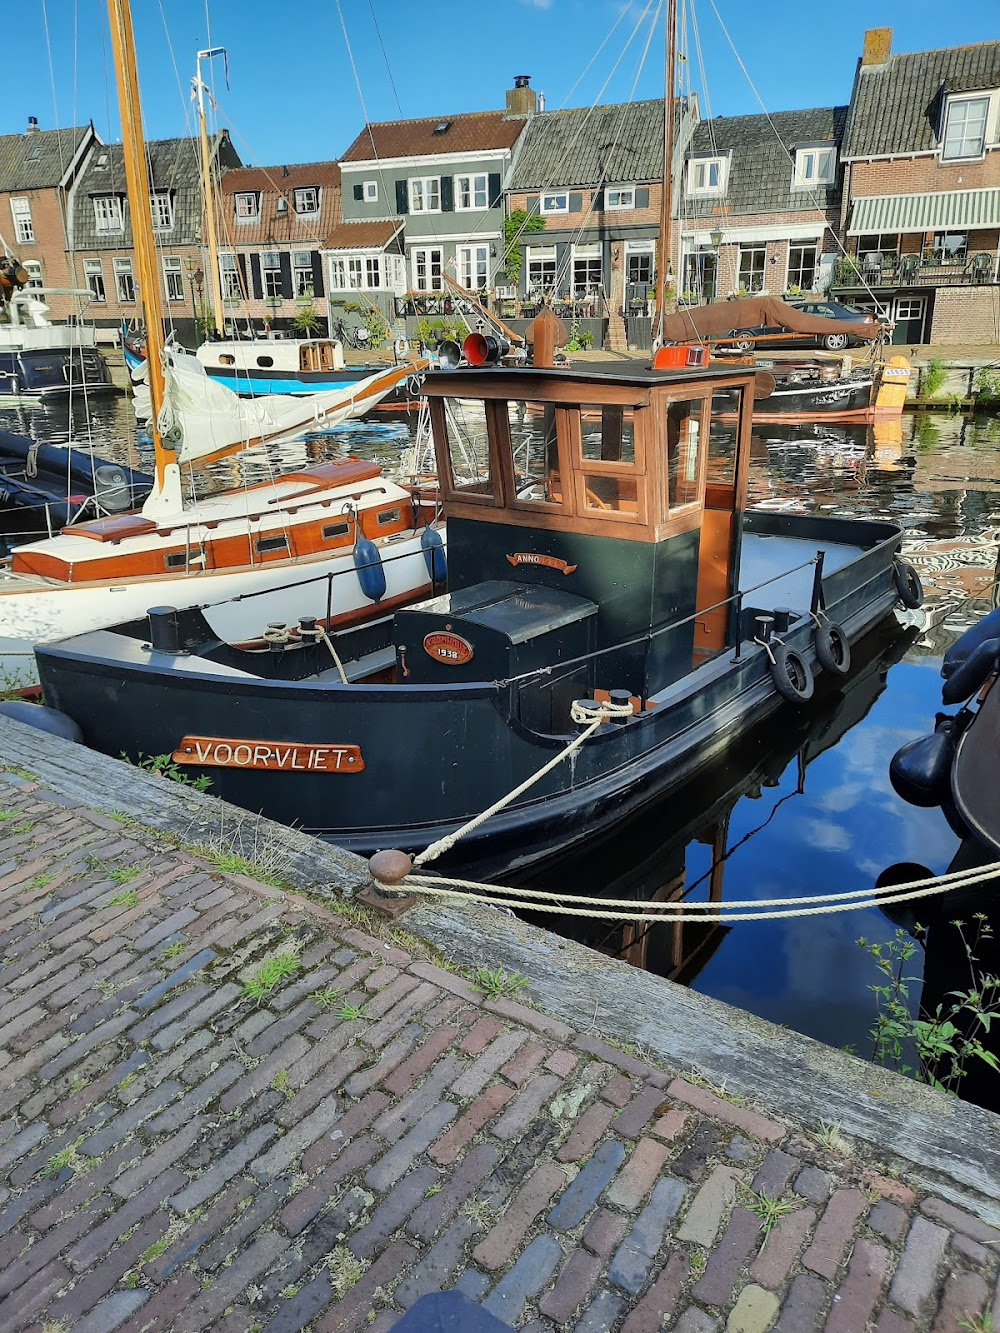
(944, 211)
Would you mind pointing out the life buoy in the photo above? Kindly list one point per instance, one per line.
(908, 585)
(791, 674)
(833, 649)
(401, 347)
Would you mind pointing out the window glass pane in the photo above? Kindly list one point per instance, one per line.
(468, 446)
(752, 268)
(683, 451)
(722, 442)
(608, 433)
(536, 456)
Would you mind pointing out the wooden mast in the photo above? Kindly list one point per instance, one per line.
(666, 197)
(137, 182)
(206, 175)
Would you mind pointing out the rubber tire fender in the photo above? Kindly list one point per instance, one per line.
(908, 586)
(792, 676)
(833, 648)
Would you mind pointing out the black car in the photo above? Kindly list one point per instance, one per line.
(833, 342)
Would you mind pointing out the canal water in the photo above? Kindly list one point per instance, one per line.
(804, 806)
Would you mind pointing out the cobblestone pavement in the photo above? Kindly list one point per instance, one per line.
(176, 1154)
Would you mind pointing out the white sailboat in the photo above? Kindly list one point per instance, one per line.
(337, 541)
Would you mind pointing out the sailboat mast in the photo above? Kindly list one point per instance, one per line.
(666, 197)
(137, 181)
(206, 178)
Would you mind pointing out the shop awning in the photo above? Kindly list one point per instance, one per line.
(952, 210)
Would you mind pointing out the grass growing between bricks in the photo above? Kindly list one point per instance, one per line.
(269, 975)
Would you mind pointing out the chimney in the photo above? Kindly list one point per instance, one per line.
(32, 125)
(521, 99)
(878, 46)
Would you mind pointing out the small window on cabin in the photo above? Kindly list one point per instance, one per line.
(468, 448)
(175, 560)
(385, 517)
(722, 444)
(534, 446)
(268, 545)
(610, 485)
(227, 360)
(607, 433)
(334, 530)
(265, 361)
(684, 446)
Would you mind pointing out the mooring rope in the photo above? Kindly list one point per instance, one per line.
(284, 634)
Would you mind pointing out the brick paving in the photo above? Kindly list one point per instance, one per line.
(174, 1155)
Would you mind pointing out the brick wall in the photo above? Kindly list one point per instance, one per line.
(923, 175)
(111, 311)
(48, 247)
(776, 260)
(966, 315)
(605, 220)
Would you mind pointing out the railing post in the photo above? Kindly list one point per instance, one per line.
(818, 602)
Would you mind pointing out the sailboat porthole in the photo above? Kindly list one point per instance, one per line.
(267, 545)
(265, 361)
(333, 530)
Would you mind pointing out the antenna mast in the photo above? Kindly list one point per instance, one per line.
(666, 198)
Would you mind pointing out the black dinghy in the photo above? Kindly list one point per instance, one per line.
(599, 550)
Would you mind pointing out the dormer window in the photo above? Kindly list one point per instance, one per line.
(964, 133)
(248, 206)
(307, 200)
(814, 167)
(163, 210)
(706, 175)
(108, 213)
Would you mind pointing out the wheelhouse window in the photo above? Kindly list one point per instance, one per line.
(609, 484)
(270, 272)
(229, 275)
(108, 213)
(554, 203)
(802, 266)
(706, 175)
(587, 269)
(686, 435)
(752, 260)
(427, 265)
(302, 273)
(124, 281)
(964, 128)
(534, 444)
(247, 206)
(173, 281)
(620, 199)
(24, 231)
(814, 167)
(474, 267)
(541, 268)
(471, 192)
(94, 275)
(425, 194)
(163, 210)
(307, 199)
(466, 439)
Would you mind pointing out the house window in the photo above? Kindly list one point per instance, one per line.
(34, 271)
(471, 192)
(302, 273)
(885, 244)
(24, 232)
(964, 128)
(949, 246)
(307, 200)
(108, 213)
(270, 269)
(370, 191)
(230, 278)
(619, 200)
(338, 275)
(95, 279)
(586, 269)
(752, 259)
(248, 206)
(124, 281)
(541, 269)
(163, 211)
(425, 194)
(706, 175)
(639, 263)
(814, 167)
(355, 273)
(701, 275)
(554, 203)
(426, 262)
(474, 267)
(172, 279)
(802, 266)
(373, 271)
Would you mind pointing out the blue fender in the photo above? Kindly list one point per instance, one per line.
(920, 771)
(987, 628)
(44, 719)
(432, 545)
(368, 564)
(967, 676)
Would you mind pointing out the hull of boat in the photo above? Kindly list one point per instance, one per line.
(974, 789)
(59, 484)
(835, 401)
(303, 382)
(400, 765)
(52, 373)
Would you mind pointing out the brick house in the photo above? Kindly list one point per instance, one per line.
(921, 207)
(102, 231)
(273, 224)
(759, 204)
(39, 174)
(424, 198)
(595, 175)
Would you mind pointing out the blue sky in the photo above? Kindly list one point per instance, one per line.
(293, 95)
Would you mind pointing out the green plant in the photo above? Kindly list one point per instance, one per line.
(496, 984)
(933, 378)
(829, 1138)
(373, 319)
(61, 1160)
(204, 321)
(345, 1270)
(23, 826)
(947, 1041)
(307, 319)
(768, 1209)
(978, 1323)
(986, 385)
(350, 1012)
(127, 898)
(40, 881)
(519, 223)
(172, 950)
(281, 1084)
(325, 998)
(123, 874)
(7, 815)
(164, 767)
(268, 976)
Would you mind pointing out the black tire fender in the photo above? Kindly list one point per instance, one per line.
(908, 586)
(792, 676)
(833, 649)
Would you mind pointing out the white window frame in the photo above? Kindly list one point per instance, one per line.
(173, 278)
(302, 274)
(469, 185)
(355, 273)
(473, 263)
(586, 254)
(230, 278)
(338, 273)
(821, 162)
(93, 268)
(964, 104)
(425, 254)
(556, 201)
(302, 197)
(373, 272)
(108, 213)
(162, 208)
(645, 249)
(270, 275)
(369, 192)
(625, 201)
(540, 255)
(24, 228)
(699, 175)
(34, 271)
(422, 189)
(753, 248)
(247, 205)
(124, 281)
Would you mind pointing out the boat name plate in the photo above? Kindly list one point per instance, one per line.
(221, 752)
(549, 561)
(451, 649)
(895, 372)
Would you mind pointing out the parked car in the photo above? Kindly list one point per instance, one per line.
(833, 342)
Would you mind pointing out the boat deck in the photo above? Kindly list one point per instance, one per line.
(764, 558)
